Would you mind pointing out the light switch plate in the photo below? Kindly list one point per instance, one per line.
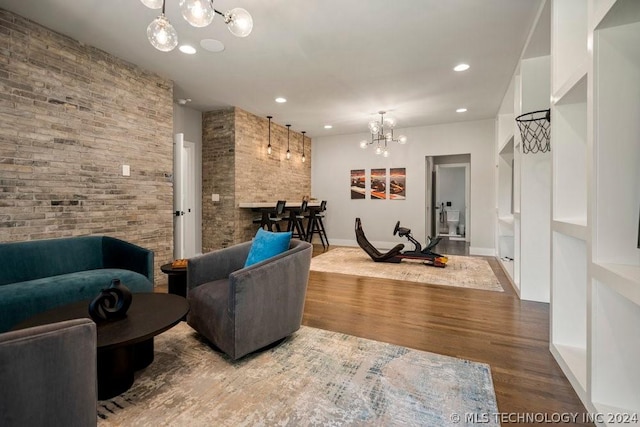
(126, 170)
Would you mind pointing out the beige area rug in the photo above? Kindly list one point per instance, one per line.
(314, 377)
(461, 271)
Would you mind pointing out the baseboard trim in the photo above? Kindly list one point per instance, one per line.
(482, 251)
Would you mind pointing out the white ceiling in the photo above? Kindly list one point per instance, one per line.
(336, 61)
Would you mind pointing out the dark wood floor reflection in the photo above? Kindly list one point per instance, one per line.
(452, 247)
(496, 328)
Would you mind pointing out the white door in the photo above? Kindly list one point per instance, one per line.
(184, 198)
(429, 228)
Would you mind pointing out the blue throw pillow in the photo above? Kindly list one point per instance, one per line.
(267, 244)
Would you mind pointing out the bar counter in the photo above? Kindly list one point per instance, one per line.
(272, 205)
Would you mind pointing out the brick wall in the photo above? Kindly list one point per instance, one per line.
(70, 116)
(242, 171)
(218, 176)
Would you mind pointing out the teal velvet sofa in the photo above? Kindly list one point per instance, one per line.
(42, 274)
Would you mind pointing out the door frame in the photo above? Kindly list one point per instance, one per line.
(467, 193)
(184, 198)
(429, 199)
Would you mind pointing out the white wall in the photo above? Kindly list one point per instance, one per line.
(189, 122)
(334, 157)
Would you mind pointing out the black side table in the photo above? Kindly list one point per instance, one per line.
(177, 279)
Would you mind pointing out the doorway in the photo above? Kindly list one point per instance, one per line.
(448, 189)
(184, 198)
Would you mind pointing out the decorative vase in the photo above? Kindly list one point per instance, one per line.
(112, 303)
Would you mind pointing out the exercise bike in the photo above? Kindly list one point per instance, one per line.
(396, 254)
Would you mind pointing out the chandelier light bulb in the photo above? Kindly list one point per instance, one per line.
(198, 13)
(162, 35)
(374, 127)
(389, 122)
(388, 137)
(402, 139)
(239, 22)
(378, 150)
(152, 4)
(363, 144)
(385, 153)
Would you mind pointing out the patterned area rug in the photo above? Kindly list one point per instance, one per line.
(461, 271)
(314, 377)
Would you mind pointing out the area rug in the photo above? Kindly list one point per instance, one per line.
(461, 271)
(314, 377)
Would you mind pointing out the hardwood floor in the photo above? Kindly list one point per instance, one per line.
(496, 328)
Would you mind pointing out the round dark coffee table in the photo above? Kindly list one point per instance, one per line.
(124, 345)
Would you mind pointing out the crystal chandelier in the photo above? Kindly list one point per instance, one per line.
(382, 134)
(198, 13)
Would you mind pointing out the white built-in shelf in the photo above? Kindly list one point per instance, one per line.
(612, 13)
(516, 215)
(574, 227)
(568, 40)
(599, 9)
(569, 305)
(615, 346)
(507, 219)
(507, 266)
(604, 414)
(573, 362)
(624, 279)
(574, 89)
(506, 147)
(617, 150)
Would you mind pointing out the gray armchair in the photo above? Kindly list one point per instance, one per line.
(241, 310)
(48, 375)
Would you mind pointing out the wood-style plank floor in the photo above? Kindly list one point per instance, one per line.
(496, 328)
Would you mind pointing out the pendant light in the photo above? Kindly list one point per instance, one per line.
(161, 33)
(269, 146)
(153, 4)
(303, 158)
(198, 13)
(288, 152)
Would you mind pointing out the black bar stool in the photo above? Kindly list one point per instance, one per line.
(316, 214)
(272, 217)
(295, 225)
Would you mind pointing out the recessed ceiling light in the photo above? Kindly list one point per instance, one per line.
(212, 45)
(281, 100)
(461, 67)
(328, 126)
(461, 110)
(185, 48)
